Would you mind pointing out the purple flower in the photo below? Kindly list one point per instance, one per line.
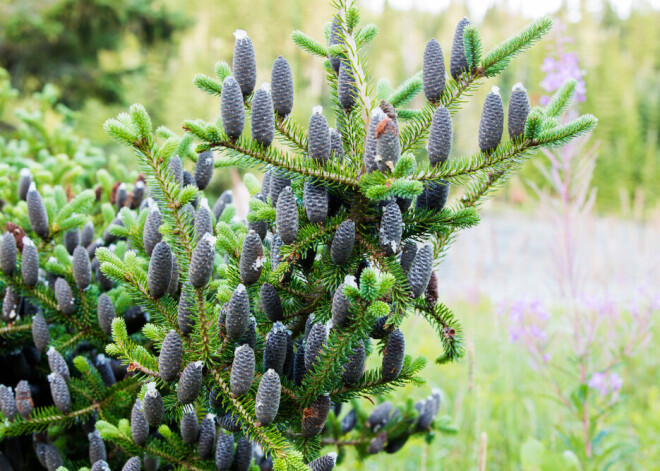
(598, 381)
(606, 383)
(559, 67)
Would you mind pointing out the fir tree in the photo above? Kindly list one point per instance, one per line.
(232, 315)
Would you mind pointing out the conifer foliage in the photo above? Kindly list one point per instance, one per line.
(188, 337)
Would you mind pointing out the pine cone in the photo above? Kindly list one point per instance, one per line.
(458, 61)
(71, 240)
(315, 416)
(231, 108)
(24, 182)
(349, 421)
(393, 356)
(492, 121)
(388, 148)
(420, 270)
(433, 71)
(160, 270)
(265, 184)
(242, 370)
(267, 402)
(173, 287)
(37, 212)
(133, 464)
(121, 199)
(263, 116)
(175, 169)
(407, 255)
(318, 136)
(276, 259)
(7, 402)
(370, 142)
(380, 416)
(8, 254)
(282, 87)
(23, 398)
(395, 444)
(299, 369)
(250, 336)
(377, 444)
(221, 203)
(184, 314)
(96, 447)
(243, 455)
(278, 182)
(206, 437)
(244, 64)
(440, 136)
(342, 242)
(518, 111)
(289, 358)
(224, 451)
(204, 169)
(201, 263)
(190, 382)
(203, 220)
(105, 370)
(40, 333)
(271, 303)
(137, 195)
(252, 258)
(29, 263)
(354, 367)
(340, 307)
(431, 292)
(60, 392)
(82, 268)
(87, 234)
(57, 363)
(391, 228)
(238, 313)
(314, 344)
(346, 88)
(260, 227)
(275, 349)
(152, 406)
(334, 39)
(231, 423)
(434, 196)
(336, 145)
(64, 296)
(315, 200)
(324, 463)
(150, 234)
(10, 304)
(139, 425)
(189, 426)
(287, 216)
(54, 459)
(171, 355)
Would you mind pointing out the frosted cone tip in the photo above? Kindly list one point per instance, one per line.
(240, 34)
(495, 90)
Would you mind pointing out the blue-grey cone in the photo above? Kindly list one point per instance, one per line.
(82, 268)
(40, 333)
(314, 344)
(10, 304)
(340, 307)
(440, 136)
(265, 183)
(203, 219)
(53, 458)
(420, 270)
(184, 313)
(370, 142)
(190, 382)
(391, 228)
(96, 447)
(71, 240)
(244, 451)
(175, 169)
(252, 258)
(353, 368)
(408, 255)
(377, 444)
(342, 242)
(260, 227)
(87, 234)
(230, 422)
(221, 203)
(23, 397)
(37, 212)
(151, 234)
(139, 425)
(324, 463)
(59, 392)
(349, 421)
(299, 369)
(7, 402)
(250, 336)
(137, 195)
(231, 108)
(24, 182)
(286, 216)
(289, 359)
(267, 402)
(276, 258)
(64, 296)
(346, 87)
(395, 444)
(238, 313)
(105, 370)
(224, 451)
(206, 437)
(518, 111)
(242, 370)
(458, 61)
(334, 39)
(133, 464)
(433, 71)
(262, 123)
(100, 465)
(160, 270)
(434, 196)
(189, 426)
(336, 145)
(108, 237)
(315, 416)
(121, 198)
(57, 363)
(278, 182)
(201, 263)
(380, 416)
(282, 87)
(106, 283)
(8, 254)
(29, 263)
(388, 147)
(244, 64)
(152, 406)
(318, 136)
(393, 355)
(171, 354)
(204, 169)
(491, 125)
(315, 201)
(275, 348)
(173, 287)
